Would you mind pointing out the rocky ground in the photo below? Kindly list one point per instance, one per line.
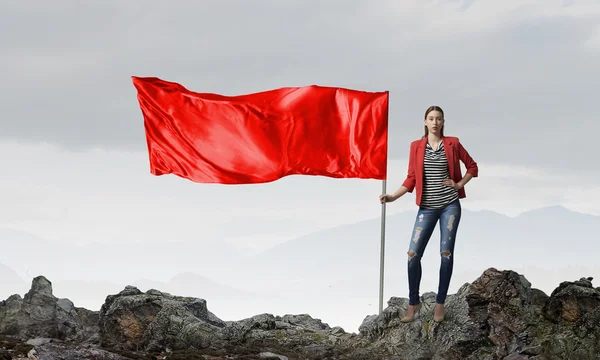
(497, 317)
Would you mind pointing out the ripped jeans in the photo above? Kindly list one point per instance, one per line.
(449, 218)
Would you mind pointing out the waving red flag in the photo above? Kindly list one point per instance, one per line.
(262, 137)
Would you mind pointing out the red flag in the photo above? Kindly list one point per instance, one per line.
(262, 137)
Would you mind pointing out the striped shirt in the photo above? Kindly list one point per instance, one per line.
(436, 195)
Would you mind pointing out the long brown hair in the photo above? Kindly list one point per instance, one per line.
(430, 109)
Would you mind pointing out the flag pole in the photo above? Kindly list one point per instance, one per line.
(382, 246)
(382, 251)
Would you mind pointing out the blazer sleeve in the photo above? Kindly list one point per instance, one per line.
(410, 180)
(470, 164)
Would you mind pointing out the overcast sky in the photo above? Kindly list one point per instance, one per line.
(516, 79)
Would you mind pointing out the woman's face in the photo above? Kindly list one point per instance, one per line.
(434, 122)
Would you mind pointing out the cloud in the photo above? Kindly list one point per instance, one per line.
(515, 78)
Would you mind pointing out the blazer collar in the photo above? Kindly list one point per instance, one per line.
(444, 139)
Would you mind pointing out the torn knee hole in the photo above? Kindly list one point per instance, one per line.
(411, 254)
(446, 254)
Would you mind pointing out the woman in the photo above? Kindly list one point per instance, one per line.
(434, 169)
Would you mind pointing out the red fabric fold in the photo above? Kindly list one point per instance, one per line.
(262, 137)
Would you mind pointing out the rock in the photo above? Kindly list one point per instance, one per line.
(573, 314)
(336, 331)
(32, 355)
(498, 316)
(584, 282)
(532, 350)
(38, 341)
(9, 315)
(287, 335)
(154, 320)
(66, 351)
(40, 314)
(516, 356)
(13, 348)
(538, 297)
(270, 355)
(571, 301)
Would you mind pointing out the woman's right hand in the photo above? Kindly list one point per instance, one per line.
(387, 198)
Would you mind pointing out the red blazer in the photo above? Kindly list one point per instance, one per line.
(455, 153)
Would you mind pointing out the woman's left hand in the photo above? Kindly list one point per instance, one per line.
(451, 183)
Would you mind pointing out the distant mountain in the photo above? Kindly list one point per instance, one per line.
(340, 262)
(190, 284)
(31, 254)
(91, 294)
(332, 273)
(345, 259)
(11, 282)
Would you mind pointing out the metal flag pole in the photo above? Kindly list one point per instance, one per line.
(382, 251)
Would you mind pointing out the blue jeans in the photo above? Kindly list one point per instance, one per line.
(449, 218)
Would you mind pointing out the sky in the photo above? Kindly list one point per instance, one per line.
(516, 80)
